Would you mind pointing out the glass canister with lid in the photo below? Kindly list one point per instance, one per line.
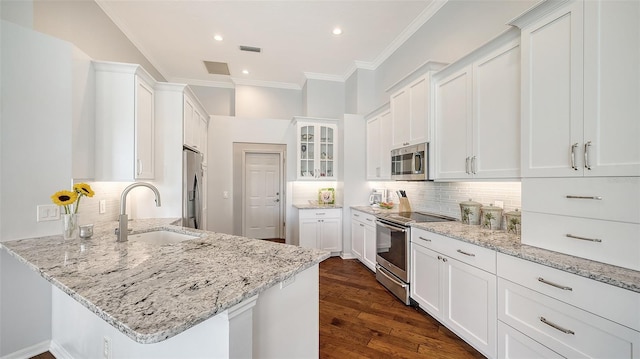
(470, 212)
(492, 217)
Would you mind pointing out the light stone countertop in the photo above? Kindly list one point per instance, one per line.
(317, 206)
(508, 243)
(153, 292)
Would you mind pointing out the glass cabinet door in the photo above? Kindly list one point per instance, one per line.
(307, 153)
(327, 151)
(317, 149)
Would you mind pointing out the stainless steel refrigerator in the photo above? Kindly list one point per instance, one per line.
(192, 189)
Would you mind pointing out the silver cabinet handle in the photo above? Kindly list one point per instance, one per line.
(442, 258)
(361, 225)
(369, 219)
(320, 213)
(466, 166)
(573, 156)
(465, 253)
(356, 215)
(584, 238)
(587, 146)
(597, 198)
(563, 287)
(390, 227)
(474, 166)
(556, 326)
(425, 239)
(139, 167)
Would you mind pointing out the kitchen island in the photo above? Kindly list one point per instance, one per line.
(212, 296)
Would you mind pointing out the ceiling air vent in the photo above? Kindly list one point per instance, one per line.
(250, 49)
(217, 68)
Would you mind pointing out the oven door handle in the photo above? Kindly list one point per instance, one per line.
(391, 227)
(395, 281)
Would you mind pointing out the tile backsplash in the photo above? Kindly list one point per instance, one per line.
(110, 192)
(444, 197)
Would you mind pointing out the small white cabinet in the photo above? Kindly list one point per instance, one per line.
(477, 113)
(363, 238)
(124, 122)
(410, 108)
(317, 148)
(320, 228)
(455, 282)
(195, 123)
(379, 147)
(580, 89)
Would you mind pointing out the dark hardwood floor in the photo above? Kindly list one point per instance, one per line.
(360, 319)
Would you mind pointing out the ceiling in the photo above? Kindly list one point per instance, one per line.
(295, 37)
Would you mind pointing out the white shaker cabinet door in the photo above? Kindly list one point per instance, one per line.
(357, 239)
(144, 131)
(330, 238)
(552, 83)
(308, 233)
(426, 283)
(369, 254)
(611, 88)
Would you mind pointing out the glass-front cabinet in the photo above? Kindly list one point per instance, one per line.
(317, 149)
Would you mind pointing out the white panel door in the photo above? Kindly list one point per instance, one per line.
(426, 279)
(552, 74)
(419, 111)
(357, 239)
(144, 131)
(453, 125)
(369, 254)
(262, 195)
(374, 154)
(612, 88)
(330, 229)
(401, 118)
(496, 111)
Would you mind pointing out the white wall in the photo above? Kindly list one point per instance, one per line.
(217, 101)
(267, 102)
(17, 12)
(84, 24)
(223, 131)
(324, 99)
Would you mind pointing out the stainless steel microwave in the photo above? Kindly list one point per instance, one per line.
(410, 163)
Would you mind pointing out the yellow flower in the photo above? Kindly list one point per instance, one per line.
(65, 199)
(83, 189)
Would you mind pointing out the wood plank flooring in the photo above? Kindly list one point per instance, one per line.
(360, 319)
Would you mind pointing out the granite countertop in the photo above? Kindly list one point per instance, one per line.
(509, 243)
(375, 211)
(316, 206)
(153, 292)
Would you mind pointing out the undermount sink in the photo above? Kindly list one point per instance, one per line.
(161, 237)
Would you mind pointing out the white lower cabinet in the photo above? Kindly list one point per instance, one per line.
(363, 238)
(570, 315)
(321, 229)
(514, 345)
(447, 282)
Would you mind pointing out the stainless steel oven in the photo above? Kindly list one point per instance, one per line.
(393, 241)
(392, 259)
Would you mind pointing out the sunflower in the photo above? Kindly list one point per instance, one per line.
(65, 199)
(83, 189)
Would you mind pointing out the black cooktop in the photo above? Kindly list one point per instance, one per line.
(416, 217)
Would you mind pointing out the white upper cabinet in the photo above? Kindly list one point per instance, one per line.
(195, 123)
(379, 147)
(477, 114)
(581, 90)
(410, 110)
(124, 122)
(317, 142)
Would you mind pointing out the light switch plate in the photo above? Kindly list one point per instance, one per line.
(47, 212)
(103, 206)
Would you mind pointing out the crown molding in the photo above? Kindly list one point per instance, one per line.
(206, 83)
(272, 84)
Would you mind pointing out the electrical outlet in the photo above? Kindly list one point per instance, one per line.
(47, 212)
(225, 194)
(106, 348)
(103, 206)
(498, 204)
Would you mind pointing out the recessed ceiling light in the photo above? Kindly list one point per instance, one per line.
(217, 37)
(246, 72)
(337, 31)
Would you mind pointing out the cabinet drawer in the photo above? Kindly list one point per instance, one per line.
(514, 345)
(565, 329)
(468, 253)
(365, 218)
(619, 197)
(320, 213)
(617, 304)
(603, 241)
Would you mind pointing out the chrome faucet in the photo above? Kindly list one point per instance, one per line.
(123, 231)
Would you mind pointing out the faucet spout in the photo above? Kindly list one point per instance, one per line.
(123, 230)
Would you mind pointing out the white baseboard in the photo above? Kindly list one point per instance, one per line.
(29, 351)
(59, 352)
(349, 255)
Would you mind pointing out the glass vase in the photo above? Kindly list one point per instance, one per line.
(70, 226)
